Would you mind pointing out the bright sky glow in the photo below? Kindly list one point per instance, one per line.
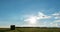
(32, 20)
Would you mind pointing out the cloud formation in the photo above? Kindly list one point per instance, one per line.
(33, 20)
(56, 15)
(55, 23)
(42, 16)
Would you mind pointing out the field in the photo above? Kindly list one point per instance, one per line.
(30, 29)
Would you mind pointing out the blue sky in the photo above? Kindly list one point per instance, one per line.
(16, 11)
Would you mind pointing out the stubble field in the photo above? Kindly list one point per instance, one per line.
(30, 29)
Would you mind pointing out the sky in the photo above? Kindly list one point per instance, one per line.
(30, 13)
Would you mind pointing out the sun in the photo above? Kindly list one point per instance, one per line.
(32, 20)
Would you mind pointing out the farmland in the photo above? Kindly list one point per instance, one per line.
(30, 29)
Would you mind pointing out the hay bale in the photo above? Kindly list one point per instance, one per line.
(12, 27)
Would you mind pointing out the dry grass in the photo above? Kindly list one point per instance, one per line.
(22, 29)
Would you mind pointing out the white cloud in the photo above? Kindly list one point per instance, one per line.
(57, 20)
(56, 15)
(55, 23)
(39, 16)
(42, 16)
(33, 20)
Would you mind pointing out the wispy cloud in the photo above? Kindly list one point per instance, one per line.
(55, 23)
(42, 16)
(32, 20)
(56, 15)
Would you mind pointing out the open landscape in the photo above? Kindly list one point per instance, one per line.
(30, 29)
(29, 15)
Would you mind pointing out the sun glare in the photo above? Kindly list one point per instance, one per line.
(32, 20)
